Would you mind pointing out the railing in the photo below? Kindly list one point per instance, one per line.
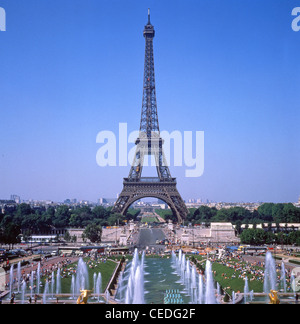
(150, 180)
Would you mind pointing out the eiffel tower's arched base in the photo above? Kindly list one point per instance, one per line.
(164, 190)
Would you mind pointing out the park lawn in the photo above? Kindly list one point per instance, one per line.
(231, 284)
(149, 219)
(107, 269)
(234, 284)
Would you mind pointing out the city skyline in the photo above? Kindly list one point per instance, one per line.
(225, 68)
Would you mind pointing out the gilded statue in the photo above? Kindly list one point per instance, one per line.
(83, 298)
(274, 300)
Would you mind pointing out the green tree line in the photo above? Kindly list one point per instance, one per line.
(28, 220)
(260, 237)
(266, 213)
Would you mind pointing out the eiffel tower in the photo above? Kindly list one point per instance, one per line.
(149, 143)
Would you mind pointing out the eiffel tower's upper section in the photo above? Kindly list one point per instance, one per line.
(149, 118)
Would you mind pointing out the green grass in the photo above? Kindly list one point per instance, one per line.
(149, 219)
(228, 278)
(234, 284)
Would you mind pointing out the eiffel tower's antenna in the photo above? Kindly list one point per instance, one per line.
(149, 16)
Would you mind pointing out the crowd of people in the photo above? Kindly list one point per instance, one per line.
(254, 270)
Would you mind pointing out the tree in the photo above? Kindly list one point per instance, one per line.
(294, 238)
(114, 219)
(62, 216)
(11, 234)
(247, 236)
(67, 236)
(93, 233)
(24, 209)
(253, 236)
(204, 214)
(100, 212)
(265, 212)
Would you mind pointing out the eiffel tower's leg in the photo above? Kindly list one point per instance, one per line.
(136, 167)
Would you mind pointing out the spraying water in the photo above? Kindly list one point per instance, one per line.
(82, 276)
(270, 273)
(52, 284)
(210, 289)
(135, 286)
(58, 282)
(201, 293)
(98, 289)
(73, 287)
(246, 290)
(200, 289)
(283, 277)
(23, 291)
(38, 278)
(11, 280)
(19, 275)
(46, 292)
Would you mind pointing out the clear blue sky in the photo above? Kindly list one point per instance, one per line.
(70, 69)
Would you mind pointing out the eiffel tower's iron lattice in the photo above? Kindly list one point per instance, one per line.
(149, 142)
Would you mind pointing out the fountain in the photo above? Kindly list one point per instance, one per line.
(94, 281)
(187, 277)
(210, 289)
(233, 297)
(246, 290)
(46, 292)
(293, 283)
(23, 291)
(204, 291)
(11, 280)
(283, 277)
(201, 293)
(270, 281)
(31, 280)
(19, 275)
(38, 278)
(193, 286)
(135, 286)
(58, 282)
(138, 287)
(52, 284)
(121, 286)
(82, 276)
(73, 292)
(98, 289)
(97, 285)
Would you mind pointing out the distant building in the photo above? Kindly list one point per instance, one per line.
(216, 233)
(106, 202)
(281, 227)
(16, 198)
